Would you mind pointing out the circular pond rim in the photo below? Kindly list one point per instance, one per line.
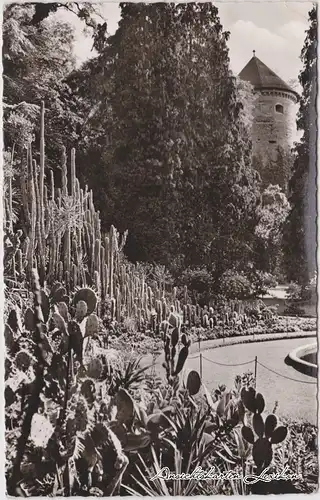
(294, 359)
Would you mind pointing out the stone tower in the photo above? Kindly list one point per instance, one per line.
(274, 110)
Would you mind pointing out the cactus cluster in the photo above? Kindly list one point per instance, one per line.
(268, 432)
(62, 238)
(176, 347)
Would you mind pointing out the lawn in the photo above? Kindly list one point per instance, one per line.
(295, 399)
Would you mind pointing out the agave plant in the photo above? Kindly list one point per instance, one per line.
(148, 479)
(128, 374)
(65, 401)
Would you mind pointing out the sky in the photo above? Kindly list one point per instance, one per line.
(274, 29)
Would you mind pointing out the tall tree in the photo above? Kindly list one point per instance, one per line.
(177, 152)
(36, 61)
(300, 230)
(272, 214)
(275, 169)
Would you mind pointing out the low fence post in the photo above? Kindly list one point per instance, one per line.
(255, 369)
(201, 366)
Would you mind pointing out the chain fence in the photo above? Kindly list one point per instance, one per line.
(256, 363)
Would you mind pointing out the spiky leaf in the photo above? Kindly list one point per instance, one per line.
(262, 452)
(59, 322)
(94, 368)
(208, 397)
(175, 337)
(221, 408)
(258, 424)
(59, 294)
(81, 310)
(143, 417)
(270, 425)
(279, 434)
(125, 406)
(14, 320)
(92, 325)
(29, 320)
(88, 296)
(75, 338)
(193, 382)
(63, 310)
(259, 403)
(248, 398)
(45, 306)
(247, 434)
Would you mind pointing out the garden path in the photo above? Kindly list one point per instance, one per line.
(297, 398)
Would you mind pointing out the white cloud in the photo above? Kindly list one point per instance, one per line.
(278, 50)
(294, 29)
(275, 30)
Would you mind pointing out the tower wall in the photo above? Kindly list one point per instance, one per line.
(273, 122)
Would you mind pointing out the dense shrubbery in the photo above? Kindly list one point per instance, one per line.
(200, 284)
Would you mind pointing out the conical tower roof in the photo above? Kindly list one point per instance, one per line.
(262, 77)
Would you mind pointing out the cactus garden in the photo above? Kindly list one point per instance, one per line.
(138, 231)
(82, 416)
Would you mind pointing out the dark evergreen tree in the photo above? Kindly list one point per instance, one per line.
(276, 168)
(177, 155)
(300, 230)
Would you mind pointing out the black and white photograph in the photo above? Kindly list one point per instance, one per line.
(159, 248)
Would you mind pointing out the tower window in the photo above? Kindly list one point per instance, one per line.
(279, 108)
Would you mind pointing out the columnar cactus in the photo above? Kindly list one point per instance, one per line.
(64, 241)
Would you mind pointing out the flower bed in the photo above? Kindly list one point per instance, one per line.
(277, 325)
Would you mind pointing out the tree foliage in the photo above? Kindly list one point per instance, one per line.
(300, 230)
(176, 148)
(275, 168)
(272, 214)
(36, 61)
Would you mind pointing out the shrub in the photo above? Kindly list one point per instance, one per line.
(235, 285)
(261, 282)
(294, 291)
(199, 282)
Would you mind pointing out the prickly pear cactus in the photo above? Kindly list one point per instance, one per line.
(175, 358)
(88, 296)
(268, 432)
(193, 383)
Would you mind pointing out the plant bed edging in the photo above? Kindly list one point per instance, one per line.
(261, 337)
(215, 343)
